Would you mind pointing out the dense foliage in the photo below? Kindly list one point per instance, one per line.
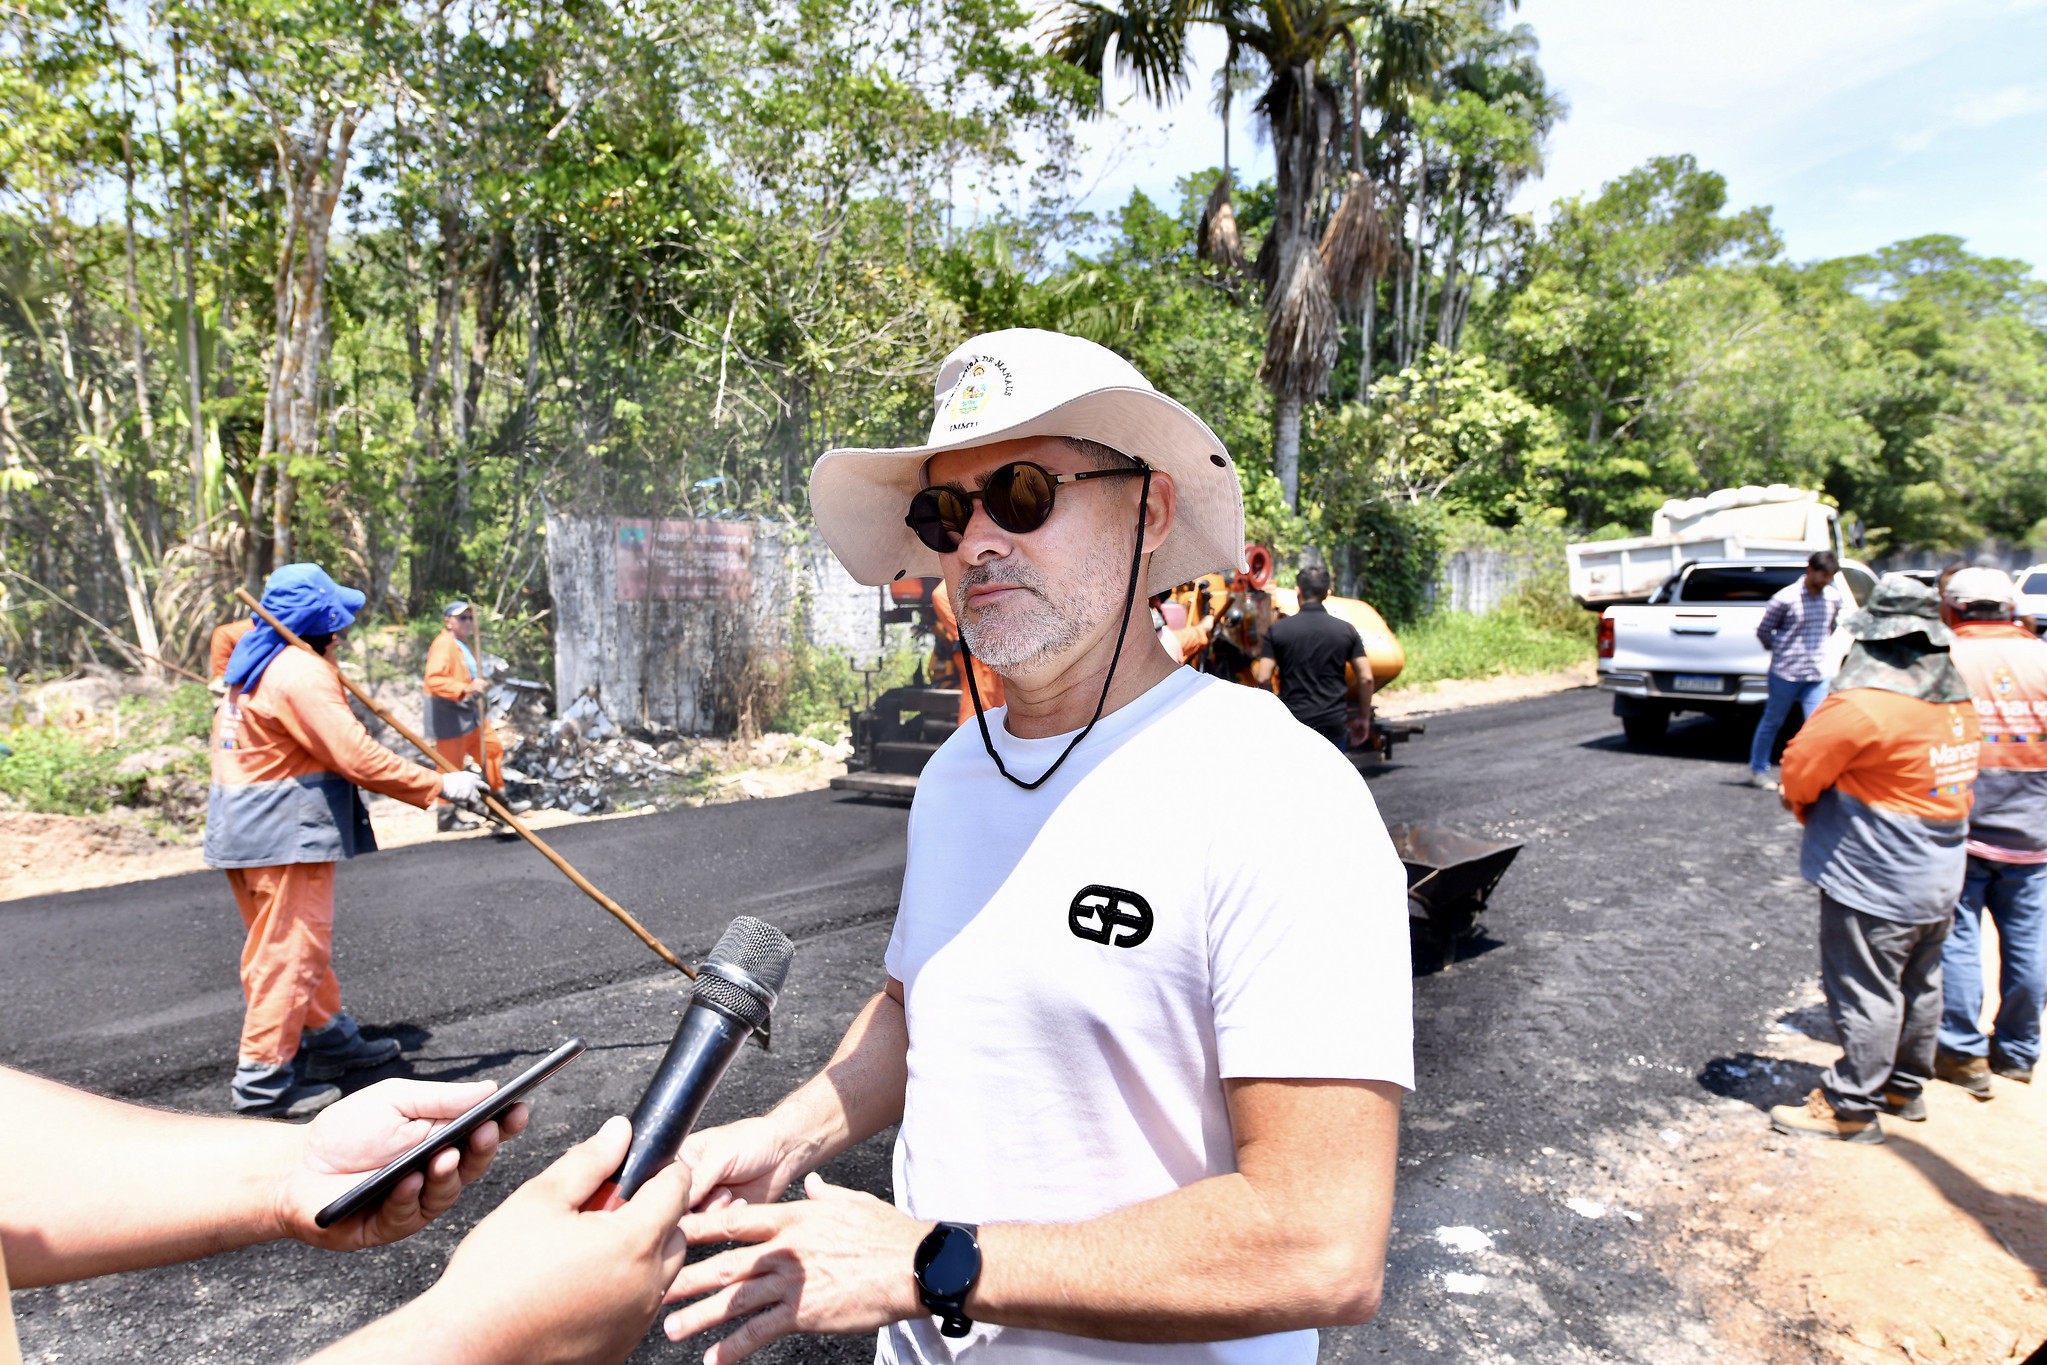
(381, 286)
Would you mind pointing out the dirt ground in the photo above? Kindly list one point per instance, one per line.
(1930, 1247)
(1458, 693)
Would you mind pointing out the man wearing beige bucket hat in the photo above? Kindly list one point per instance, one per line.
(1147, 1080)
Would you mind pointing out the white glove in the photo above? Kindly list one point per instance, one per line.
(463, 788)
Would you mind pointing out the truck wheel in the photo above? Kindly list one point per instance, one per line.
(1646, 727)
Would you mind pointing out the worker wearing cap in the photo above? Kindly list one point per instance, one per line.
(221, 647)
(1146, 1087)
(2005, 666)
(288, 755)
(1880, 776)
(454, 713)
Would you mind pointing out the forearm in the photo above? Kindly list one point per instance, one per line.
(432, 1329)
(95, 1186)
(859, 1092)
(1296, 1238)
(1211, 1261)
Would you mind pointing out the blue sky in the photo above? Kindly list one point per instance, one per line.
(1859, 122)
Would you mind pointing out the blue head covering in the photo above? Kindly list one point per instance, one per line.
(307, 602)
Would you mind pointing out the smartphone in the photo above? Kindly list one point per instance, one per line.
(374, 1190)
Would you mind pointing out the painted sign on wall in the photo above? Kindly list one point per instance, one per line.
(683, 561)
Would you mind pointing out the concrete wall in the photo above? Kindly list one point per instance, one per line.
(693, 666)
(1478, 581)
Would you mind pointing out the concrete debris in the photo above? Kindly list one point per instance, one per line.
(584, 762)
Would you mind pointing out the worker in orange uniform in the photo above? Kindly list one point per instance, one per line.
(985, 678)
(288, 755)
(454, 709)
(1882, 777)
(221, 646)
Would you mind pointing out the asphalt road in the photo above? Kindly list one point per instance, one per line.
(1647, 935)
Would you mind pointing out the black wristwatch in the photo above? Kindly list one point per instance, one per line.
(947, 1266)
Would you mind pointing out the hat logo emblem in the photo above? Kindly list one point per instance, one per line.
(973, 393)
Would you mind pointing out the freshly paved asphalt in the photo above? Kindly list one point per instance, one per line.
(1647, 934)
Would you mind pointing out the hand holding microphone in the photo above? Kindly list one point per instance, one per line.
(734, 996)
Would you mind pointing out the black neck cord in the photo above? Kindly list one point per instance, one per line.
(1129, 605)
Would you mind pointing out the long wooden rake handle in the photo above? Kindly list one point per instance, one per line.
(611, 907)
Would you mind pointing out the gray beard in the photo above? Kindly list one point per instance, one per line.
(1041, 629)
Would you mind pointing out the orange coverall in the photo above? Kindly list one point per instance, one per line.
(283, 810)
(458, 731)
(221, 646)
(985, 678)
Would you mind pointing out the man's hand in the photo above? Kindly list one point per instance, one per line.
(355, 1138)
(478, 686)
(745, 1162)
(840, 1261)
(541, 1282)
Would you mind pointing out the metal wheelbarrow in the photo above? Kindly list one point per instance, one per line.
(1449, 877)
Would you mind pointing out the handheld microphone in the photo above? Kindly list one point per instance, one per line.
(734, 995)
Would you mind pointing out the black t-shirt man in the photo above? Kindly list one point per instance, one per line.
(1310, 649)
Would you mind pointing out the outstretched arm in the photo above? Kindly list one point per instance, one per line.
(859, 1093)
(1295, 1237)
(541, 1281)
(90, 1185)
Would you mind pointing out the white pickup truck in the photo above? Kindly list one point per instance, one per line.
(1693, 645)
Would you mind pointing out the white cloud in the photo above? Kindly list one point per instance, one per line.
(1981, 111)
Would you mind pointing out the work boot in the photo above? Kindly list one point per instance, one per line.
(451, 820)
(1816, 1118)
(1911, 1108)
(276, 1092)
(339, 1048)
(1970, 1073)
(2001, 1065)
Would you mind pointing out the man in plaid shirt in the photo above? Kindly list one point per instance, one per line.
(1794, 629)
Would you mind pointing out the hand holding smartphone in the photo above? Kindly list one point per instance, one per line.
(378, 1187)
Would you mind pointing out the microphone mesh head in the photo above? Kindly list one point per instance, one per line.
(758, 949)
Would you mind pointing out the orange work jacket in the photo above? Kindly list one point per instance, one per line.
(221, 646)
(450, 710)
(1883, 782)
(287, 759)
(2006, 669)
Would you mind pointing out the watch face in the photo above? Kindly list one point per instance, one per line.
(947, 1264)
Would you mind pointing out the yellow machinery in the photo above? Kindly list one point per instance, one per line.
(1221, 620)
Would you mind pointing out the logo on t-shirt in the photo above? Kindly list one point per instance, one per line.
(1106, 914)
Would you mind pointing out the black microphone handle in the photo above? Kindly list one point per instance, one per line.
(705, 1043)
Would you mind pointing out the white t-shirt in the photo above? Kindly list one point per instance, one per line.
(1205, 890)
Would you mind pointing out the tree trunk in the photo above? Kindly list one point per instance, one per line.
(1370, 321)
(317, 167)
(11, 447)
(138, 357)
(197, 457)
(1286, 444)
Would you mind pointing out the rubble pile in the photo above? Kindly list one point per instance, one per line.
(587, 764)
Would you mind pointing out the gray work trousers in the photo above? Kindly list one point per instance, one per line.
(1882, 981)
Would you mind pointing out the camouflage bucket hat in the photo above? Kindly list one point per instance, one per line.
(1898, 606)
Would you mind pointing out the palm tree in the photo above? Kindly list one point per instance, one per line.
(1303, 111)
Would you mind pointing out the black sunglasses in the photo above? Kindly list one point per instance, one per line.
(1018, 496)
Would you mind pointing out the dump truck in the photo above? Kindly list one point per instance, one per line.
(1778, 523)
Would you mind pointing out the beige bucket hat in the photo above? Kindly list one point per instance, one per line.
(1025, 382)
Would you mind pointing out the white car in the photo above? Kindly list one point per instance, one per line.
(2033, 596)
